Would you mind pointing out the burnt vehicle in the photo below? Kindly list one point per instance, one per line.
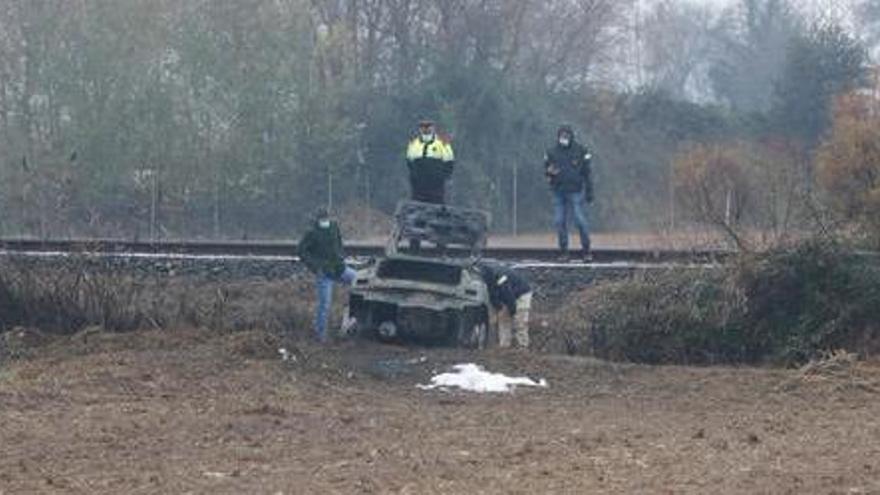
(432, 296)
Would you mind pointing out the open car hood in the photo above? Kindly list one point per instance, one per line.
(440, 225)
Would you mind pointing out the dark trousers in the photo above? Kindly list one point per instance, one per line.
(429, 193)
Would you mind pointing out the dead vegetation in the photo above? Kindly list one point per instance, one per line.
(782, 307)
(77, 298)
(837, 370)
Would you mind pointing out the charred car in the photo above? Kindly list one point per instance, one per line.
(433, 295)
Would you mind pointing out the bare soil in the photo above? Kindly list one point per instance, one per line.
(200, 412)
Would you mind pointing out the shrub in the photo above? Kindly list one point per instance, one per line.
(740, 186)
(848, 164)
(674, 317)
(782, 306)
(817, 297)
(74, 295)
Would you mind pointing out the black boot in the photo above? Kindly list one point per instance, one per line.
(563, 256)
(586, 255)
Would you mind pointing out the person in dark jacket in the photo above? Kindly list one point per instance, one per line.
(567, 167)
(321, 251)
(509, 290)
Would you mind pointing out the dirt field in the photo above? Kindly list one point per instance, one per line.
(192, 412)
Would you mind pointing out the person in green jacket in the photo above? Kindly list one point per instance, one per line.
(321, 251)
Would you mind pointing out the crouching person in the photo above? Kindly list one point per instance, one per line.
(511, 291)
(321, 251)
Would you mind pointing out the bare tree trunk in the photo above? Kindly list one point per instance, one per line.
(373, 15)
(353, 13)
(515, 194)
(154, 203)
(401, 20)
(216, 201)
(329, 189)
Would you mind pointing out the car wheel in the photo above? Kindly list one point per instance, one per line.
(387, 331)
(473, 331)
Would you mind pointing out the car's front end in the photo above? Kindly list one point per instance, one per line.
(425, 300)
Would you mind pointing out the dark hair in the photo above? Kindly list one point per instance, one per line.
(565, 129)
(321, 213)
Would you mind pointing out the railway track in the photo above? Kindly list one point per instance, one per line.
(266, 249)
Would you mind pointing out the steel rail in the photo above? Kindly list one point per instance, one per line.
(280, 248)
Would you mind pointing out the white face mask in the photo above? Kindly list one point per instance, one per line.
(324, 224)
(564, 140)
(427, 137)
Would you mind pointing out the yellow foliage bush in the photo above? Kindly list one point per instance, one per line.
(848, 163)
(740, 187)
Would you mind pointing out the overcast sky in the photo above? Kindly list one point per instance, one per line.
(840, 9)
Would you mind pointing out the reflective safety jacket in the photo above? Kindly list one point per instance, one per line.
(437, 149)
(430, 164)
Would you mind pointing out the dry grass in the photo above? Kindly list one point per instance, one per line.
(565, 329)
(361, 222)
(839, 370)
(644, 318)
(72, 297)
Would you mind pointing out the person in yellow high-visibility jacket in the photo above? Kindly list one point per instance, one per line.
(430, 161)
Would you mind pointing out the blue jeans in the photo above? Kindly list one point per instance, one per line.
(567, 206)
(325, 298)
